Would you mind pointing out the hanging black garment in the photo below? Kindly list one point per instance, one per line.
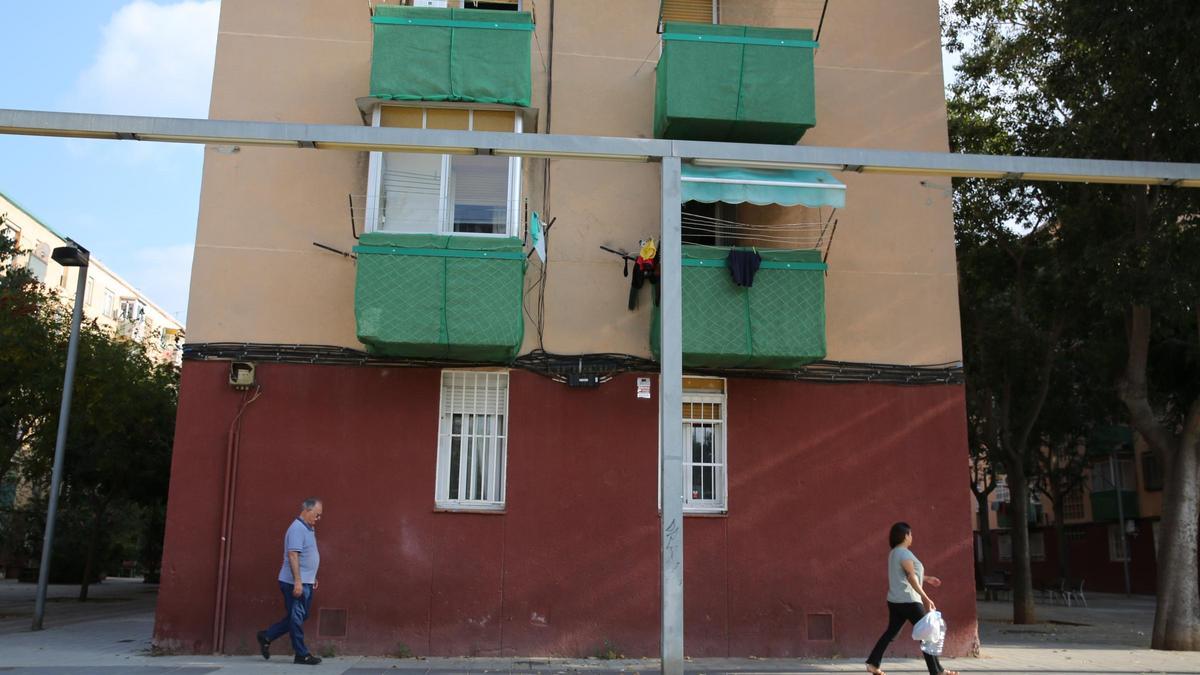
(743, 265)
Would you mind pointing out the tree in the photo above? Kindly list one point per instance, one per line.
(1112, 78)
(120, 436)
(32, 353)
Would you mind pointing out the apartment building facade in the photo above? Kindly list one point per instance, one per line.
(457, 352)
(113, 303)
(1110, 523)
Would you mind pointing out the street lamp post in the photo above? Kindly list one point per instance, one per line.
(71, 255)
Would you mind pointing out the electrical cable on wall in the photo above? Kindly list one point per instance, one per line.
(556, 366)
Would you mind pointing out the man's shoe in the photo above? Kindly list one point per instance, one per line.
(264, 645)
(307, 659)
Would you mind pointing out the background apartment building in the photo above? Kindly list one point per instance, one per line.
(477, 502)
(1110, 522)
(109, 300)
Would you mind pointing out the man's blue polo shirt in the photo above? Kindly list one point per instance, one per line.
(302, 538)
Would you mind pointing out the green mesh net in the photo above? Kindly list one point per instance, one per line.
(779, 322)
(748, 90)
(432, 296)
(434, 54)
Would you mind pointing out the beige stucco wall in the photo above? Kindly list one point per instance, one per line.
(32, 234)
(891, 291)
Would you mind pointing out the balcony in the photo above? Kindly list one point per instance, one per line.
(734, 83)
(451, 54)
(440, 296)
(777, 323)
(1104, 505)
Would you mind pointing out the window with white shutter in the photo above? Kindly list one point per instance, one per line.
(472, 440)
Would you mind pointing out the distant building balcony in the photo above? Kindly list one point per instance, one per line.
(1104, 505)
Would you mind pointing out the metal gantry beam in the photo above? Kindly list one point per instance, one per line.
(356, 137)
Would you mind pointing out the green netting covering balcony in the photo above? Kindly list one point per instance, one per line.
(1104, 505)
(734, 83)
(436, 54)
(437, 296)
(778, 323)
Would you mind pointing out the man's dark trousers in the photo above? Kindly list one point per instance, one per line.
(293, 621)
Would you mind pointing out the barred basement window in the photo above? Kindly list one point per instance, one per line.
(472, 440)
(704, 478)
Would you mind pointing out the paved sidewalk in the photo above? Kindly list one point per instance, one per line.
(1103, 638)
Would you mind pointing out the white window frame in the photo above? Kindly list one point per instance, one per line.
(690, 506)
(1117, 541)
(513, 224)
(1102, 478)
(493, 443)
(1037, 546)
(1004, 547)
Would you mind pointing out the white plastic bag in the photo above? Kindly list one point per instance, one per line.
(931, 631)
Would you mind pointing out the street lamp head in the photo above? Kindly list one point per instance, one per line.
(71, 255)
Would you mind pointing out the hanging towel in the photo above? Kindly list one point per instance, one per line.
(743, 265)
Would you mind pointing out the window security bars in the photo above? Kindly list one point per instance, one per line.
(704, 468)
(472, 440)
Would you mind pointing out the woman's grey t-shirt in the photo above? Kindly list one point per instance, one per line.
(899, 590)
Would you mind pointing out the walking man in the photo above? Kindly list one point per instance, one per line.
(297, 581)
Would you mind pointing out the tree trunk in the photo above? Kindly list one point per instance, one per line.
(985, 540)
(1022, 580)
(1177, 616)
(1060, 535)
(93, 544)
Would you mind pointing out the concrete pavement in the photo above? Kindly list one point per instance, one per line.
(1107, 637)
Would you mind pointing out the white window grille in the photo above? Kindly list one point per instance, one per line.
(472, 440)
(1001, 493)
(1004, 547)
(1072, 506)
(705, 478)
(1117, 551)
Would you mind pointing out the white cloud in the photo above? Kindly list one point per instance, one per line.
(154, 59)
(163, 273)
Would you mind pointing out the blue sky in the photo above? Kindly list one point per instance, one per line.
(133, 205)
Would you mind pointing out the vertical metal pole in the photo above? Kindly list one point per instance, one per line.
(671, 415)
(39, 606)
(1112, 472)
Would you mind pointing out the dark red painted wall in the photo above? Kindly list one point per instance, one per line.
(1088, 556)
(817, 475)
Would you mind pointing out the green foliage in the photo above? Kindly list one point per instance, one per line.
(402, 651)
(609, 652)
(121, 427)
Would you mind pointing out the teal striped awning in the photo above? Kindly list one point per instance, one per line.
(786, 187)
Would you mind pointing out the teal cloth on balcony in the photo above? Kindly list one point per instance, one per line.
(786, 187)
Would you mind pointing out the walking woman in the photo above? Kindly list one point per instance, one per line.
(907, 600)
